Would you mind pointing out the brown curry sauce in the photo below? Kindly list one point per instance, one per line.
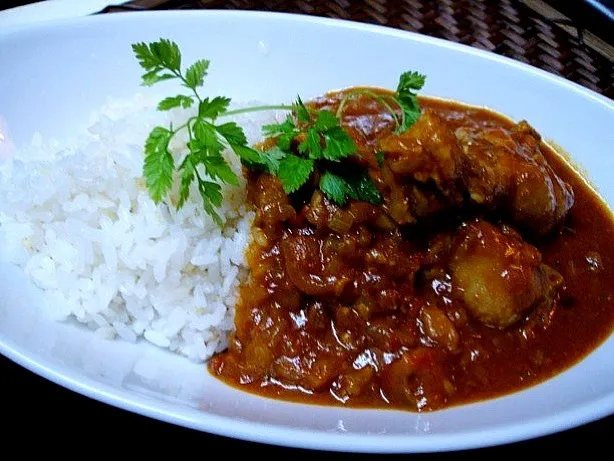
(292, 346)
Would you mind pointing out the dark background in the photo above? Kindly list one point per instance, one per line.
(40, 416)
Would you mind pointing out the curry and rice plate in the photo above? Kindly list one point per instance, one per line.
(372, 249)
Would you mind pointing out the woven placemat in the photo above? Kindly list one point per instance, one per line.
(531, 31)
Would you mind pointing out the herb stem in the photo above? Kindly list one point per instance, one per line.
(380, 98)
(190, 120)
(181, 127)
(245, 110)
(185, 83)
(176, 130)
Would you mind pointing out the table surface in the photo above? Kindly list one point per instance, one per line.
(53, 417)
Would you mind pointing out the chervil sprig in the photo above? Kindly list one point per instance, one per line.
(307, 141)
(207, 138)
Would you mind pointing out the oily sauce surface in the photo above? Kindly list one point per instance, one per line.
(347, 306)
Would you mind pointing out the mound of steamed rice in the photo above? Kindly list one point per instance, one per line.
(78, 220)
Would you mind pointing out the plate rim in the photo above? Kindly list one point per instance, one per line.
(325, 21)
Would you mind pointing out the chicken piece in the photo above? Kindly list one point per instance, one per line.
(499, 276)
(433, 169)
(507, 172)
(427, 152)
(272, 203)
(420, 174)
(306, 265)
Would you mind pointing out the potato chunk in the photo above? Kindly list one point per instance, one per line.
(499, 276)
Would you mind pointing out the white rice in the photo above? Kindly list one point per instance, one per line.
(78, 220)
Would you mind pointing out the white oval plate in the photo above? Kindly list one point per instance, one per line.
(54, 75)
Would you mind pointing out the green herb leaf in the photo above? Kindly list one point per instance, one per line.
(285, 141)
(323, 138)
(285, 132)
(411, 80)
(334, 187)
(361, 187)
(326, 120)
(156, 58)
(265, 161)
(187, 169)
(214, 107)
(271, 160)
(301, 111)
(406, 97)
(276, 129)
(145, 57)
(353, 183)
(338, 144)
(162, 60)
(326, 139)
(175, 101)
(195, 74)
(213, 191)
(294, 171)
(380, 158)
(211, 194)
(247, 154)
(167, 53)
(154, 76)
(232, 132)
(159, 163)
(217, 168)
(205, 140)
(312, 145)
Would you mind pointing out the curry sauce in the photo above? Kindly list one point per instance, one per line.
(466, 283)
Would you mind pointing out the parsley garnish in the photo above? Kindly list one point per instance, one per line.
(323, 143)
(294, 171)
(309, 140)
(350, 183)
(335, 187)
(407, 99)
